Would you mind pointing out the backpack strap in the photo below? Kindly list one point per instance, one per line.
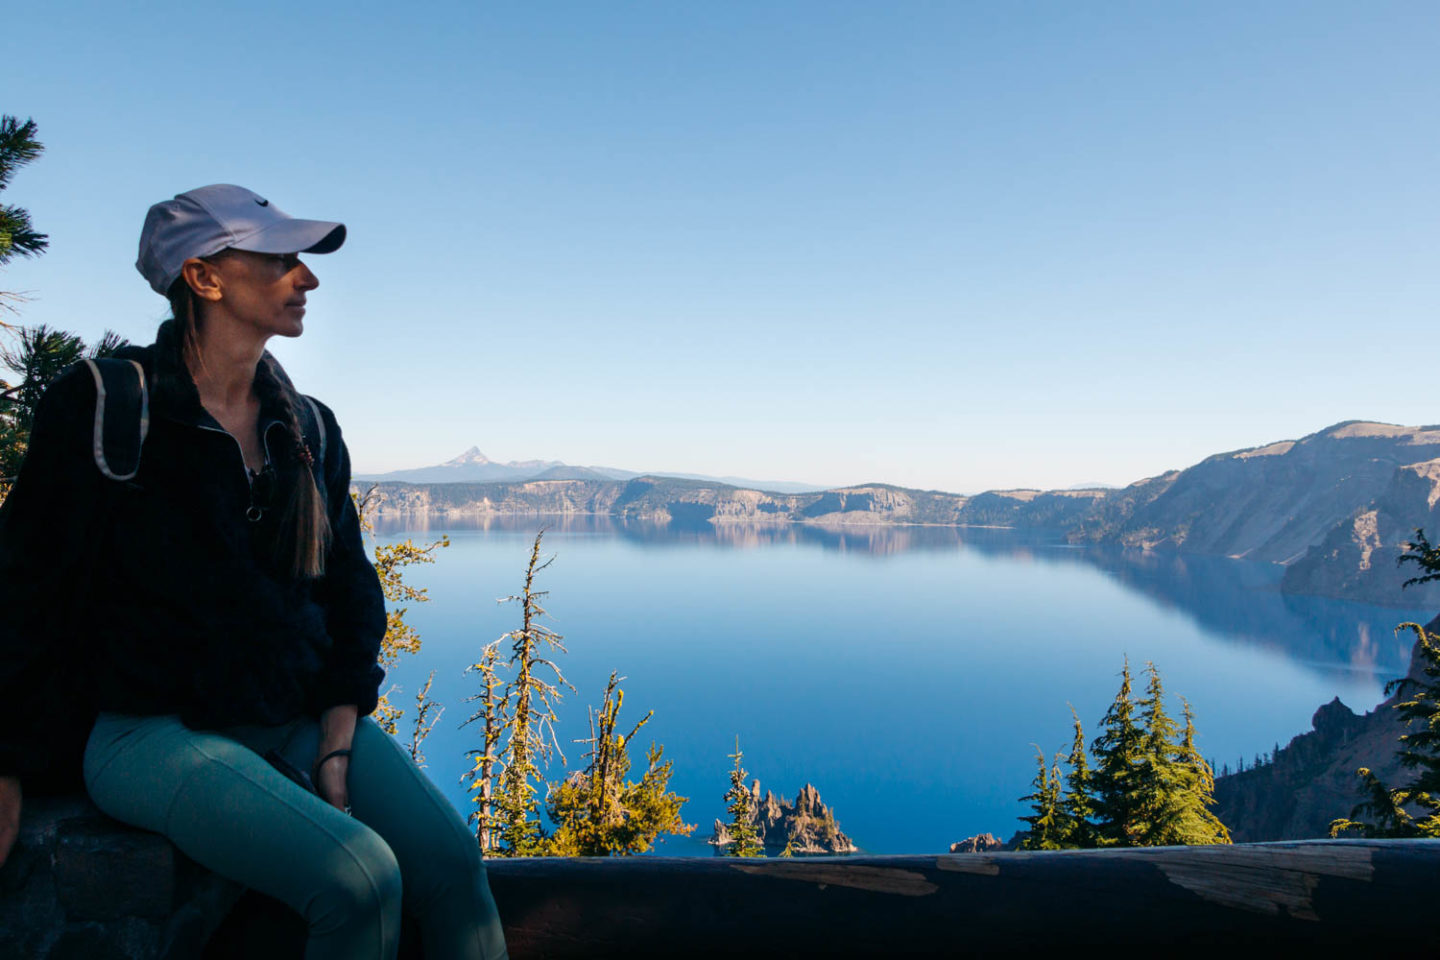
(122, 416)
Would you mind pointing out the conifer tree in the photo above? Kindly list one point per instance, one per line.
(1175, 785)
(1190, 753)
(18, 147)
(1158, 776)
(38, 356)
(529, 700)
(1197, 824)
(1181, 814)
(1077, 807)
(1421, 751)
(1150, 785)
(1119, 752)
(744, 838)
(1045, 827)
(598, 812)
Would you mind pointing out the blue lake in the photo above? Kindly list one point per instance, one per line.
(905, 671)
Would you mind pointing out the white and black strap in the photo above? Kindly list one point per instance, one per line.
(122, 416)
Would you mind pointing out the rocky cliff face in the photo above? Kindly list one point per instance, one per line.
(806, 826)
(1275, 502)
(441, 500)
(1335, 508)
(1356, 560)
(1312, 780)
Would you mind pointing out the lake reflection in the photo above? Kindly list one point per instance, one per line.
(1235, 600)
(905, 671)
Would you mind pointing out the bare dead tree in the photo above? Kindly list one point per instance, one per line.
(427, 714)
(487, 763)
(531, 718)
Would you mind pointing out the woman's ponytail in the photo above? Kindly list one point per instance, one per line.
(304, 525)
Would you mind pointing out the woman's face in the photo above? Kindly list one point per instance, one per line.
(265, 291)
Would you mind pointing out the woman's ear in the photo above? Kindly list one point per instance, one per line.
(203, 278)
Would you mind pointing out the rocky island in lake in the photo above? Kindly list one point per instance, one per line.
(804, 827)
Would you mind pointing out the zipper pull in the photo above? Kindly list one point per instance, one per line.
(263, 479)
(253, 513)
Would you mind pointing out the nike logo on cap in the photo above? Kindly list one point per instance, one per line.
(263, 203)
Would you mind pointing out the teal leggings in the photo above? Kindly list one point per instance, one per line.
(215, 796)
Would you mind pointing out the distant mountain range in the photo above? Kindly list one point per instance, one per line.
(472, 466)
(1334, 507)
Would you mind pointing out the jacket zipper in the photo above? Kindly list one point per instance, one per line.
(253, 512)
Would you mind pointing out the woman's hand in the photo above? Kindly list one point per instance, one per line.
(9, 815)
(333, 783)
(337, 732)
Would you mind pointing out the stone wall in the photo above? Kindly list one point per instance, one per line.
(78, 884)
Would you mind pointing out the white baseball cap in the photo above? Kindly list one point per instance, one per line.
(219, 217)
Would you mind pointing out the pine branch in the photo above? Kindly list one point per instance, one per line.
(1425, 556)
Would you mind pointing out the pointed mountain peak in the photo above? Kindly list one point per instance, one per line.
(473, 455)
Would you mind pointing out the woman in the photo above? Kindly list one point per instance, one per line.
(213, 621)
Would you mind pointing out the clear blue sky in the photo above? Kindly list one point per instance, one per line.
(946, 245)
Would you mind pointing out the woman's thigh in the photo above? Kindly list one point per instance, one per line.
(226, 808)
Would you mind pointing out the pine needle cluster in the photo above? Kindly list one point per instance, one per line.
(1149, 785)
(36, 356)
(597, 811)
(18, 146)
(391, 560)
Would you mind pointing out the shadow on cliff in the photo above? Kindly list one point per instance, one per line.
(1312, 780)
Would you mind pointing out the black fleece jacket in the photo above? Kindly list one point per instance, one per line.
(158, 595)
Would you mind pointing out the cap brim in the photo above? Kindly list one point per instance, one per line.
(295, 236)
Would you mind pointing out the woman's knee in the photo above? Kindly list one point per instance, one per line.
(362, 880)
(455, 862)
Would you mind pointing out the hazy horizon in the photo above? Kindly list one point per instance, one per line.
(945, 246)
(664, 471)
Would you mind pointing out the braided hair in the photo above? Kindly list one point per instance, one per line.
(304, 527)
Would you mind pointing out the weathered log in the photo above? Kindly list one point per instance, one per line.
(79, 884)
(1331, 894)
